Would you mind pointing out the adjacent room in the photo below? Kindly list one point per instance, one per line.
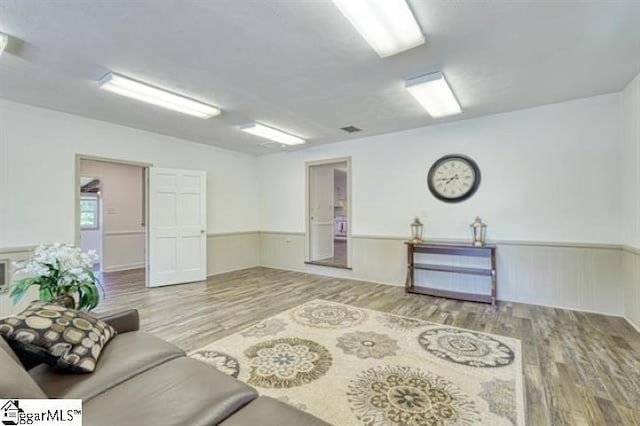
(330, 212)
(113, 214)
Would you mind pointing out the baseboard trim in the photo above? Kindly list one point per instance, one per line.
(402, 285)
(346, 271)
(635, 327)
(127, 267)
(544, 305)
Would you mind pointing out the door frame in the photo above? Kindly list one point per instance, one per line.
(145, 167)
(307, 210)
(78, 241)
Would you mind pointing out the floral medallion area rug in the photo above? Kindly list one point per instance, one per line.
(354, 366)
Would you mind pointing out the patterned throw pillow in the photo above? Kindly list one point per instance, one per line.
(64, 338)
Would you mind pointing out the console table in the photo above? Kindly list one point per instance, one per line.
(488, 251)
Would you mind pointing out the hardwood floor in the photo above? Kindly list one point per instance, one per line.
(579, 368)
(339, 258)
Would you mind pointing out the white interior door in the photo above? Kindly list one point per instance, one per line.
(177, 226)
(321, 211)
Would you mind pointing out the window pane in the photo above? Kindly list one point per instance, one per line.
(88, 219)
(89, 212)
(88, 205)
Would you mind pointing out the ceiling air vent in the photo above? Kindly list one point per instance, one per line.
(350, 129)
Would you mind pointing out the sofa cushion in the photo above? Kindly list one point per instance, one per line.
(182, 391)
(15, 382)
(266, 411)
(65, 338)
(125, 356)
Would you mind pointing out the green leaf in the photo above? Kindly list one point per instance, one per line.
(21, 287)
(46, 294)
(89, 296)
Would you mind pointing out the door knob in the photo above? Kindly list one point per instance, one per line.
(202, 231)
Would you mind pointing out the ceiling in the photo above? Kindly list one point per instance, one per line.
(300, 66)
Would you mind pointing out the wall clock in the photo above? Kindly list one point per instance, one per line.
(453, 178)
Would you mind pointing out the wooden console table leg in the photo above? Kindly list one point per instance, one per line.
(493, 277)
(408, 285)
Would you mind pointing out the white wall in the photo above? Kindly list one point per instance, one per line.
(631, 164)
(548, 174)
(91, 239)
(631, 201)
(38, 148)
(122, 214)
(550, 193)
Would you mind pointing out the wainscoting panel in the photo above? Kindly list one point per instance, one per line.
(631, 271)
(13, 255)
(583, 277)
(123, 250)
(587, 277)
(232, 251)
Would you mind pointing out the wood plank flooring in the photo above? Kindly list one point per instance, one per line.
(579, 368)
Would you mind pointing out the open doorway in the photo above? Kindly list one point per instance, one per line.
(112, 216)
(91, 217)
(329, 218)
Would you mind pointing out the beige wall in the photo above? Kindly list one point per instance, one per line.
(123, 235)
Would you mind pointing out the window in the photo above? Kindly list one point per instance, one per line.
(89, 212)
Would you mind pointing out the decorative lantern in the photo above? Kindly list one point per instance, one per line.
(416, 231)
(478, 232)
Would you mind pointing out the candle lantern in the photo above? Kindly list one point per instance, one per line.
(478, 232)
(416, 231)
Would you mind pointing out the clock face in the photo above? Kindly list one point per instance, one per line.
(453, 178)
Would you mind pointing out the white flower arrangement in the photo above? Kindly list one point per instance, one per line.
(59, 270)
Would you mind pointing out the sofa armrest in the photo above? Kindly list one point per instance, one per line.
(123, 321)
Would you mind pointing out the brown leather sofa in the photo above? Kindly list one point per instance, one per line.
(142, 380)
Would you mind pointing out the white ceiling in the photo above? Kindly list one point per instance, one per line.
(300, 65)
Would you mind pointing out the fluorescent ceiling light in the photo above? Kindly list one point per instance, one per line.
(143, 92)
(434, 94)
(4, 40)
(387, 25)
(271, 133)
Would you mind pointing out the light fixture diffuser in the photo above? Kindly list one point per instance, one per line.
(434, 94)
(271, 133)
(125, 86)
(387, 25)
(4, 40)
